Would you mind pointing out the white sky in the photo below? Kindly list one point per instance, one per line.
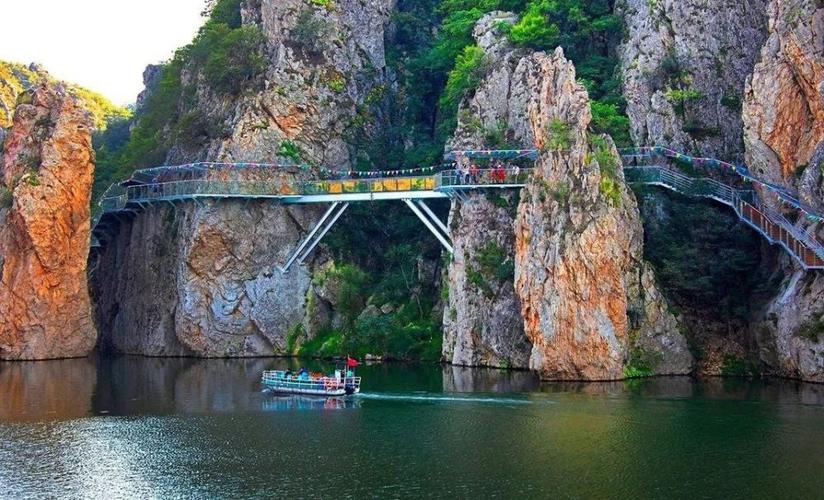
(103, 45)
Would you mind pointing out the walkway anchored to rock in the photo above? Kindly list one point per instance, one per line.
(772, 225)
(644, 166)
(275, 182)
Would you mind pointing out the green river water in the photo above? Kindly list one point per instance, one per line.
(131, 427)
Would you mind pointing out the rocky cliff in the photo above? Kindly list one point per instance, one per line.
(16, 79)
(784, 98)
(589, 302)
(200, 279)
(482, 321)
(589, 306)
(324, 66)
(784, 136)
(702, 77)
(47, 169)
(685, 63)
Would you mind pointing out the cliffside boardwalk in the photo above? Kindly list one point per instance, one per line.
(647, 166)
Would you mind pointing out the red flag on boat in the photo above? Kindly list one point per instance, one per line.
(351, 363)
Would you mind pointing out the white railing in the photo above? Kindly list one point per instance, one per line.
(773, 226)
(279, 380)
(484, 177)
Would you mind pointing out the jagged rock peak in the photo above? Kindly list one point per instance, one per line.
(585, 303)
(47, 171)
(590, 304)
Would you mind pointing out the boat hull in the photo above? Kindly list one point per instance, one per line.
(279, 382)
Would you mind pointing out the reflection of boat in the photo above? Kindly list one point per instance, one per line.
(342, 382)
(286, 403)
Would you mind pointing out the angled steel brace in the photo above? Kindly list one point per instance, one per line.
(313, 238)
(444, 239)
(325, 230)
(434, 217)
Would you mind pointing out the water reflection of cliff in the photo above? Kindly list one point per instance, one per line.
(463, 379)
(46, 390)
(133, 385)
(126, 385)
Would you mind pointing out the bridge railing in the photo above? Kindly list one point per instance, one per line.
(205, 187)
(484, 177)
(180, 189)
(703, 187)
(772, 225)
(376, 185)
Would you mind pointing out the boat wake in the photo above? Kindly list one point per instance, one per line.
(445, 398)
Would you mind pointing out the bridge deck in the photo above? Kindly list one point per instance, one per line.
(145, 189)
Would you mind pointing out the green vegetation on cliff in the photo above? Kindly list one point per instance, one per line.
(16, 78)
(712, 270)
(225, 57)
(437, 72)
(387, 289)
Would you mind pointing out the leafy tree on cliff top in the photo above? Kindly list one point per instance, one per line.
(228, 57)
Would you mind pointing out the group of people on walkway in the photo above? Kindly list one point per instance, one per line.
(496, 174)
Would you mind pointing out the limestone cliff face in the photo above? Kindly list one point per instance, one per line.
(482, 321)
(784, 100)
(685, 63)
(324, 65)
(784, 136)
(589, 302)
(47, 169)
(200, 279)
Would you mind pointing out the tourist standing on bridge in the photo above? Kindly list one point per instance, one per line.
(463, 170)
(473, 173)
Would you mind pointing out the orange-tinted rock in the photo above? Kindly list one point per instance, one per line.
(48, 164)
(590, 304)
(784, 99)
(784, 136)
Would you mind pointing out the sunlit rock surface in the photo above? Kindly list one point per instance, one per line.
(47, 168)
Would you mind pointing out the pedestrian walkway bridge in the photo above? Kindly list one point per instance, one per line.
(277, 183)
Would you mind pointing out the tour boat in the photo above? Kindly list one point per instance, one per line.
(342, 382)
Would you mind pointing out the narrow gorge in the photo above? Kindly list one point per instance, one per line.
(578, 275)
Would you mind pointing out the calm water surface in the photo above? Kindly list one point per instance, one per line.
(158, 428)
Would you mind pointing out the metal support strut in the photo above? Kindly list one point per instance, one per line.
(315, 235)
(428, 219)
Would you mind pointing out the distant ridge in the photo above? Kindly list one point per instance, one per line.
(16, 78)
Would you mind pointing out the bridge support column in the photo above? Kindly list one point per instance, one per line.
(308, 244)
(432, 222)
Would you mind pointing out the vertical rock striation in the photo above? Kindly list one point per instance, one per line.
(784, 137)
(784, 100)
(47, 170)
(482, 321)
(589, 302)
(325, 65)
(201, 279)
(685, 63)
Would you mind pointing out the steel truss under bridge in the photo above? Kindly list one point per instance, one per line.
(336, 209)
(276, 183)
